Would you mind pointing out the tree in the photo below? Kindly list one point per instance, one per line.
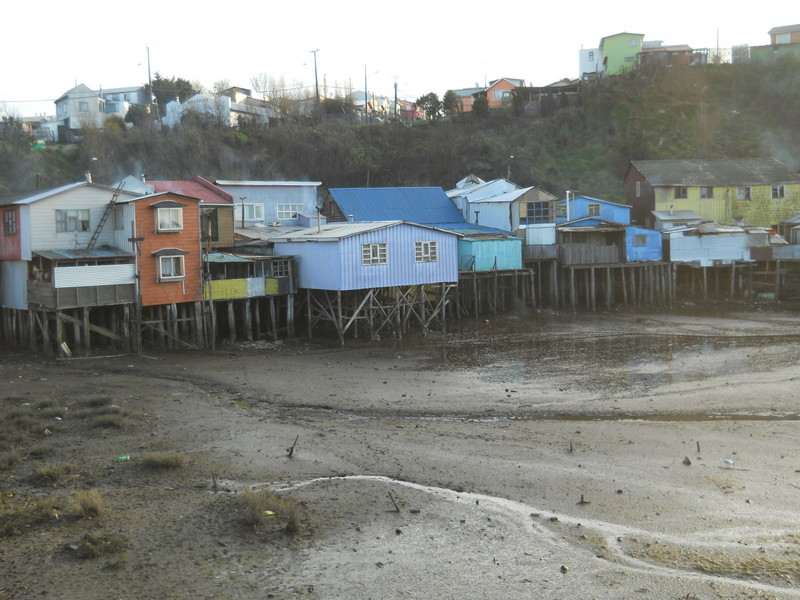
(430, 105)
(450, 102)
(137, 115)
(480, 106)
(166, 90)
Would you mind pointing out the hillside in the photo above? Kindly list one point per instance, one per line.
(721, 111)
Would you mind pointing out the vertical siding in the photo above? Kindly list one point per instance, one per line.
(496, 254)
(337, 265)
(269, 196)
(13, 284)
(652, 251)
(494, 214)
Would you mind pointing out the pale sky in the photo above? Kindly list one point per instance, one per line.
(424, 47)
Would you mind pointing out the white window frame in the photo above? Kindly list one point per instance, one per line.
(427, 251)
(287, 211)
(778, 191)
(70, 220)
(172, 259)
(743, 193)
(374, 254)
(252, 212)
(168, 224)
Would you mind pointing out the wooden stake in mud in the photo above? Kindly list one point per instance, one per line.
(396, 507)
(290, 451)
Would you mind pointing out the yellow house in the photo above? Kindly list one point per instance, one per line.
(759, 192)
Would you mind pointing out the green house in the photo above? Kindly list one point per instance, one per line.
(619, 52)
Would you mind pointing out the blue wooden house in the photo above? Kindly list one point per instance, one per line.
(378, 274)
(579, 207)
(479, 248)
(591, 240)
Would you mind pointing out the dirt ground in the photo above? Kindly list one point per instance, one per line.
(538, 456)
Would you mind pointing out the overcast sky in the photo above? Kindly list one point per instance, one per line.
(423, 47)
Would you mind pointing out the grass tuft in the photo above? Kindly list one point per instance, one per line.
(88, 504)
(264, 510)
(15, 518)
(57, 475)
(93, 546)
(165, 460)
(9, 459)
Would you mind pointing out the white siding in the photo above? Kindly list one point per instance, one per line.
(93, 275)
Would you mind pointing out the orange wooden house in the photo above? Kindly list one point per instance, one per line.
(164, 231)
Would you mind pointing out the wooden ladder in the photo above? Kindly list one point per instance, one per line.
(104, 218)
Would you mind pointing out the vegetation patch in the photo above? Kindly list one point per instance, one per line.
(9, 459)
(264, 511)
(88, 504)
(56, 475)
(94, 546)
(17, 517)
(164, 460)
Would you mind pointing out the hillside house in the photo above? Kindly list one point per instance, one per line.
(760, 192)
(497, 92)
(707, 245)
(619, 52)
(784, 42)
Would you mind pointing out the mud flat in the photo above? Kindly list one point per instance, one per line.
(530, 456)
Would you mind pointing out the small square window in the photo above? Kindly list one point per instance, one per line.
(778, 191)
(640, 240)
(170, 267)
(374, 254)
(426, 252)
(170, 219)
(288, 211)
(681, 192)
(706, 192)
(593, 209)
(743, 193)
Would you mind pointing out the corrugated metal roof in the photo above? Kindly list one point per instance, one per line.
(76, 254)
(332, 232)
(224, 257)
(207, 192)
(728, 172)
(30, 199)
(505, 197)
(676, 215)
(424, 205)
(267, 183)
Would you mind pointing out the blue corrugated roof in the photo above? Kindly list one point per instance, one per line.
(423, 205)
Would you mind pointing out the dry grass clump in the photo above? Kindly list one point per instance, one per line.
(97, 400)
(16, 517)
(88, 504)
(93, 546)
(164, 460)
(264, 510)
(56, 475)
(9, 459)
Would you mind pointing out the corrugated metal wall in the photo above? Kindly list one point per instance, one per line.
(93, 275)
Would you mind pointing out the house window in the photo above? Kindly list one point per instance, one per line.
(706, 192)
(593, 209)
(629, 59)
(426, 252)
(640, 240)
(561, 211)
(288, 211)
(638, 189)
(632, 42)
(373, 254)
(783, 38)
(10, 222)
(681, 192)
(778, 191)
(743, 193)
(111, 107)
(252, 212)
(83, 107)
(170, 218)
(118, 216)
(72, 219)
(280, 268)
(170, 267)
(537, 212)
(591, 56)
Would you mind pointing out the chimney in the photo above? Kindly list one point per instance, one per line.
(88, 177)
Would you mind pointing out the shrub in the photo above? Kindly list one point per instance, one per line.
(92, 546)
(57, 474)
(9, 459)
(15, 518)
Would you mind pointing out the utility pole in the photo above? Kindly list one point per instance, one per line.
(366, 96)
(316, 80)
(395, 99)
(150, 84)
